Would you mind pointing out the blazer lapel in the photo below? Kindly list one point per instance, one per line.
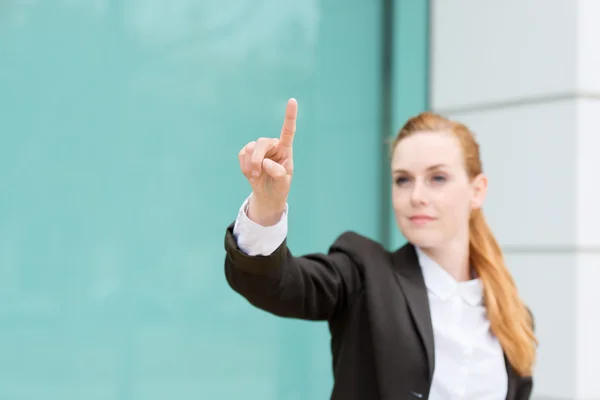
(410, 278)
(386, 288)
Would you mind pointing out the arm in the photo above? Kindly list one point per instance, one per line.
(525, 387)
(260, 267)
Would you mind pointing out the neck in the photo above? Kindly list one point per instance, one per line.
(454, 259)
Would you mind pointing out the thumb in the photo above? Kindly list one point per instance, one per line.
(275, 170)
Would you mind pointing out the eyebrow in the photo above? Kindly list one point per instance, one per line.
(431, 168)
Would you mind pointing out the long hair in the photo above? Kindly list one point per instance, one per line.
(510, 320)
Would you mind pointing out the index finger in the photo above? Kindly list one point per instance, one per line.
(289, 123)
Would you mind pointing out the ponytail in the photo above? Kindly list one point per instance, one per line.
(510, 321)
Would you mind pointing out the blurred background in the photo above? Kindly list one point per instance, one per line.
(120, 124)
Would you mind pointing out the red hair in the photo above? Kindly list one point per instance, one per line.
(510, 320)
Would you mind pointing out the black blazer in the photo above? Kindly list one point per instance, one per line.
(376, 306)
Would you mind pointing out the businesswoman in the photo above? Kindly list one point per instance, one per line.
(439, 318)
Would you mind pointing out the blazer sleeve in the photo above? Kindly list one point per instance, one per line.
(526, 383)
(525, 389)
(311, 287)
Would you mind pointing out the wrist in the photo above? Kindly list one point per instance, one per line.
(263, 213)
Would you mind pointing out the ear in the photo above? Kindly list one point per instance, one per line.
(479, 185)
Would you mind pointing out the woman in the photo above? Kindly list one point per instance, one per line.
(440, 318)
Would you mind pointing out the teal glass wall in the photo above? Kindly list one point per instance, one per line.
(409, 71)
(120, 123)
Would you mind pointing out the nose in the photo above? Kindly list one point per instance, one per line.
(418, 195)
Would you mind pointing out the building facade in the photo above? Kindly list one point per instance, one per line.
(524, 76)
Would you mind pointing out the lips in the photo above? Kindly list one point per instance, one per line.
(421, 219)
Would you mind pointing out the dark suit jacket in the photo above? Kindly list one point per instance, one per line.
(375, 303)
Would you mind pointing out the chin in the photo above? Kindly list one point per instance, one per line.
(421, 239)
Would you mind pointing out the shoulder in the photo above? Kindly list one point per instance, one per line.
(358, 246)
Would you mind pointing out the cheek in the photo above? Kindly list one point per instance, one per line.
(455, 207)
(400, 200)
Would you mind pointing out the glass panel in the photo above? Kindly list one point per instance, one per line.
(121, 122)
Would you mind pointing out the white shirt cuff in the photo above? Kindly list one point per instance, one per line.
(254, 239)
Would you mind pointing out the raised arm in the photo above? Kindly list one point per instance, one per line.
(258, 263)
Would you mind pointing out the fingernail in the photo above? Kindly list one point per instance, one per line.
(255, 173)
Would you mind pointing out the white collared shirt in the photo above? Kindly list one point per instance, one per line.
(469, 361)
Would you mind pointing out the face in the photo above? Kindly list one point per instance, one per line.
(432, 194)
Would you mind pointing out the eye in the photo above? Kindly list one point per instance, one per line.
(401, 180)
(439, 178)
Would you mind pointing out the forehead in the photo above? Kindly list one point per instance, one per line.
(424, 149)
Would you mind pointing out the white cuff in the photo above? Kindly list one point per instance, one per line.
(254, 239)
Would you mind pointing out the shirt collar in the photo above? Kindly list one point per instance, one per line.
(442, 285)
